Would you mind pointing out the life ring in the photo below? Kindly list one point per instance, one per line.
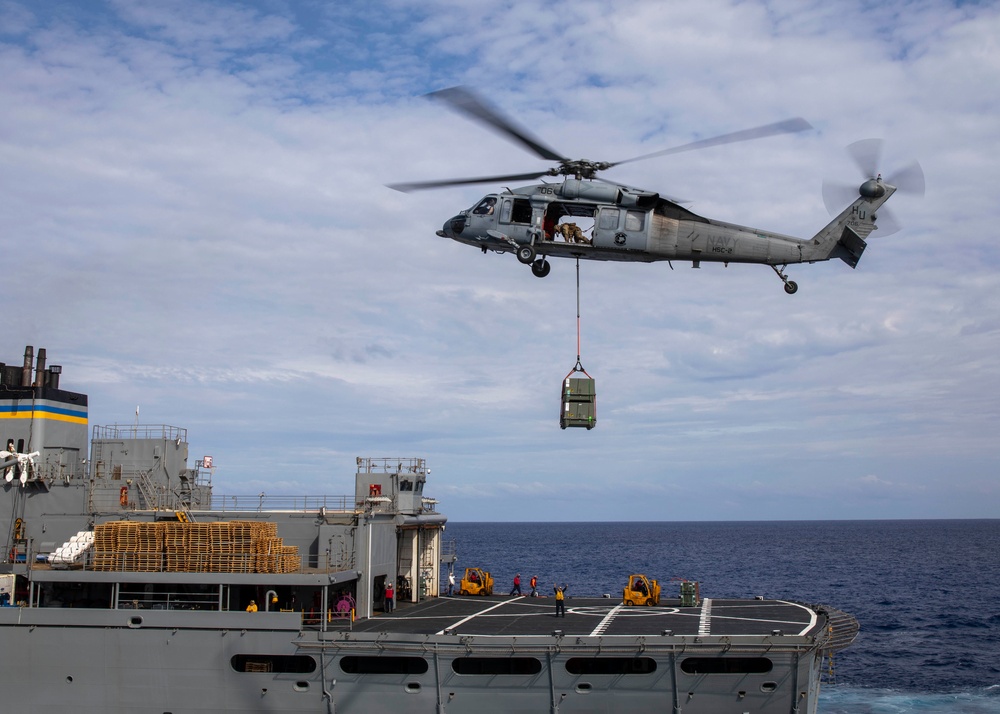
(123, 496)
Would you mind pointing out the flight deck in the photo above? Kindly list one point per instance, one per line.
(504, 616)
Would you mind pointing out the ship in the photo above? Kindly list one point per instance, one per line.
(128, 585)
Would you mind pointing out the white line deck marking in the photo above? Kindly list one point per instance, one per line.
(705, 621)
(481, 612)
(603, 624)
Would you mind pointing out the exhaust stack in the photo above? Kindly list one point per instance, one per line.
(29, 357)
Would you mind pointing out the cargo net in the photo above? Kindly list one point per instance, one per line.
(841, 629)
(224, 547)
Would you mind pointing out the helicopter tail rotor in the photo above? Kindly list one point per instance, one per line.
(867, 156)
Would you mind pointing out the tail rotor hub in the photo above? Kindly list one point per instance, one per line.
(872, 188)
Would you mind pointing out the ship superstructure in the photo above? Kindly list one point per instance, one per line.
(130, 586)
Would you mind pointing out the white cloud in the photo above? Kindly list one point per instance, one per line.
(194, 219)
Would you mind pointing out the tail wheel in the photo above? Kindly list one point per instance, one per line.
(791, 287)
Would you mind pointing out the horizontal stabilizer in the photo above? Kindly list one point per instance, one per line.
(850, 247)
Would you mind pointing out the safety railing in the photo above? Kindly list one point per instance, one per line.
(262, 502)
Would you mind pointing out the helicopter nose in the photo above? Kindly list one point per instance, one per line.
(453, 227)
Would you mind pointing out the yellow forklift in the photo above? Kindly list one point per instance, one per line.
(476, 581)
(641, 590)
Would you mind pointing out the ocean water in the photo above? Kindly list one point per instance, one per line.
(926, 593)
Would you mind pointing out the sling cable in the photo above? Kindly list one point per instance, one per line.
(579, 399)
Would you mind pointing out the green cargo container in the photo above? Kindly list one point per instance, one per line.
(579, 403)
(689, 593)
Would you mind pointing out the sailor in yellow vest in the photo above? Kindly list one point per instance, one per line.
(252, 607)
(560, 599)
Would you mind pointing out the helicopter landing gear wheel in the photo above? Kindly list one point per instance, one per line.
(526, 254)
(791, 287)
(540, 268)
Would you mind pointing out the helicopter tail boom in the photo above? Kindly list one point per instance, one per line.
(844, 237)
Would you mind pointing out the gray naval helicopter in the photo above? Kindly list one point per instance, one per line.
(586, 217)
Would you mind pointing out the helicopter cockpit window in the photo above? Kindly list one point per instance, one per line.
(486, 206)
(634, 220)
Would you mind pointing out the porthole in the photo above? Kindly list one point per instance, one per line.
(283, 664)
(412, 687)
(726, 665)
(383, 665)
(497, 665)
(610, 665)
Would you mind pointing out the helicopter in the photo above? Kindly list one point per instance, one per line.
(590, 218)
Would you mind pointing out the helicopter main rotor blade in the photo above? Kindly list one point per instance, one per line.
(472, 105)
(423, 185)
(789, 126)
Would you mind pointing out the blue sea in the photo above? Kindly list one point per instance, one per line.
(926, 593)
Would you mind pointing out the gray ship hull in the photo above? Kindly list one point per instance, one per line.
(120, 661)
(128, 586)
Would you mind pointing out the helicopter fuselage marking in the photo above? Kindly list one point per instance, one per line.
(721, 244)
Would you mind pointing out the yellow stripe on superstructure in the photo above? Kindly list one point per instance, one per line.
(44, 415)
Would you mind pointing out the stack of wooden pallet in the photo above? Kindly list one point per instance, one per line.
(175, 547)
(105, 547)
(222, 547)
(128, 546)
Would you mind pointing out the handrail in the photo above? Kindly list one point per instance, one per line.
(262, 502)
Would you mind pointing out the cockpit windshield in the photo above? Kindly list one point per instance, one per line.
(486, 206)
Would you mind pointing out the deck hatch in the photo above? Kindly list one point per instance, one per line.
(726, 665)
(497, 665)
(611, 665)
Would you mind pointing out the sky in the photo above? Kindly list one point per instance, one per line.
(195, 222)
